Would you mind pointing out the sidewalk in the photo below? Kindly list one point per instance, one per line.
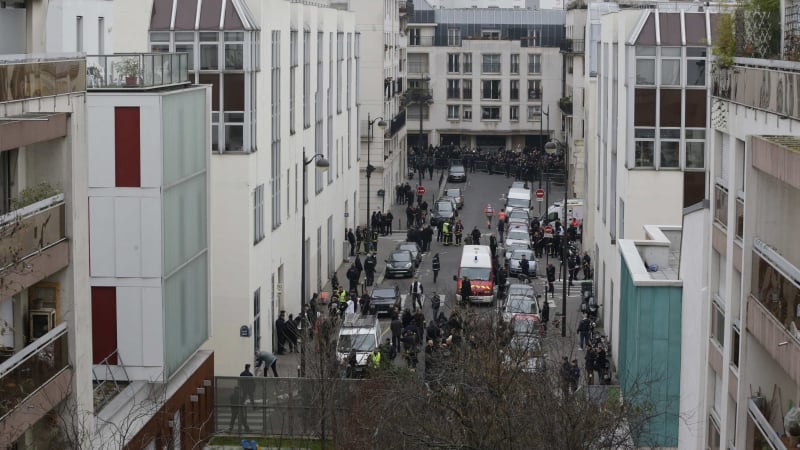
(289, 364)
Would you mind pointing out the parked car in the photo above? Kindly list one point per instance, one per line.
(518, 235)
(510, 251)
(457, 173)
(525, 348)
(516, 256)
(519, 216)
(400, 263)
(457, 195)
(383, 298)
(416, 254)
(523, 300)
(519, 185)
(442, 210)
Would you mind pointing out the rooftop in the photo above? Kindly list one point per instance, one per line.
(654, 261)
(137, 71)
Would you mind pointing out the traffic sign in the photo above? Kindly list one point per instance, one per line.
(540, 195)
(420, 190)
(548, 230)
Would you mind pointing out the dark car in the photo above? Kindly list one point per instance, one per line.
(383, 298)
(400, 263)
(414, 249)
(457, 173)
(442, 210)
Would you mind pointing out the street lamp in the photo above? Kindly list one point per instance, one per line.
(550, 147)
(322, 164)
(370, 169)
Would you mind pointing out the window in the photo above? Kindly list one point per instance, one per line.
(490, 90)
(721, 205)
(414, 36)
(514, 89)
(186, 47)
(306, 79)
(453, 65)
(467, 62)
(101, 37)
(234, 50)
(490, 113)
(739, 218)
(275, 157)
(452, 112)
(339, 73)
(467, 112)
(714, 440)
(670, 66)
(491, 63)
(696, 66)
(209, 51)
(453, 37)
(257, 320)
(534, 112)
(514, 66)
(646, 66)
(534, 63)
(670, 148)
(645, 145)
(735, 347)
(695, 148)
(467, 89)
(718, 324)
(534, 89)
(513, 112)
(490, 34)
(258, 214)
(453, 89)
(79, 33)
(292, 78)
(777, 293)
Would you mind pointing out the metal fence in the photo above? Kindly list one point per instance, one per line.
(289, 407)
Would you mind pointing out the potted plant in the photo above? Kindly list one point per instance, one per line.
(129, 68)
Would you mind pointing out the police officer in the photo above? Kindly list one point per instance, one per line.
(436, 265)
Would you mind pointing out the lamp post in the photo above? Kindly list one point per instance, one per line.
(551, 147)
(321, 164)
(370, 169)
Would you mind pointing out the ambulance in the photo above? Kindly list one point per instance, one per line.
(476, 264)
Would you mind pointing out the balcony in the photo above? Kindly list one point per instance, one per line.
(421, 41)
(31, 77)
(33, 244)
(33, 382)
(758, 83)
(398, 122)
(565, 104)
(136, 70)
(574, 46)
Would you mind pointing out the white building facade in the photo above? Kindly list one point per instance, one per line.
(283, 77)
(493, 75)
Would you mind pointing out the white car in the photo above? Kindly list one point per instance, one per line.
(518, 235)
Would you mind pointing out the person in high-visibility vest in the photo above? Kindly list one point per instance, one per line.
(375, 358)
(501, 222)
(446, 232)
(489, 211)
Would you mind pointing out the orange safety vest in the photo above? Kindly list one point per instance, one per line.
(501, 215)
(488, 210)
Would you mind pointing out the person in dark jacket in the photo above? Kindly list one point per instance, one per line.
(351, 238)
(291, 333)
(551, 279)
(432, 332)
(352, 277)
(476, 236)
(397, 333)
(545, 314)
(584, 326)
(280, 329)
(436, 265)
(466, 290)
(370, 262)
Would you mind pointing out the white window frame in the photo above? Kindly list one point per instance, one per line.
(453, 112)
(258, 214)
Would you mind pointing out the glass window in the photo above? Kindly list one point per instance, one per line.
(186, 48)
(491, 90)
(643, 154)
(695, 155)
(645, 107)
(452, 112)
(739, 218)
(778, 294)
(534, 112)
(645, 51)
(454, 36)
(159, 36)
(735, 347)
(467, 89)
(514, 63)
(234, 56)
(514, 89)
(234, 36)
(467, 112)
(534, 63)
(159, 48)
(209, 58)
(453, 65)
(718, 324)
(671, 51)
(534, 90)
(670, 154)
(490, 113)
(491, 63)
(513, 112)
(696, 72)
(453, 89)
(184, 36)
(721, 205)
(670, 72)
(645, 71)
(467, 62)
(206, 36)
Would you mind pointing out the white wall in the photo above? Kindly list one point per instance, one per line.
(131, 25)
(62, 25)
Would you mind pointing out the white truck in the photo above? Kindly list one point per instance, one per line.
(575, 209)
(359, 334)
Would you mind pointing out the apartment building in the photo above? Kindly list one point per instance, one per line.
(753, 346)
(283, 77)
(382, 79)
(646, 133)
(572, 103)
(493, 76)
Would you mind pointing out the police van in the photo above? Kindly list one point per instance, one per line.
(476, 264)
(360, 335)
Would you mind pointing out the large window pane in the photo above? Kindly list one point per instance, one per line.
(670, 154)
(695, 155)
(671, 108)
(644, 153)
(695, 108)
(777, 293)
(234, 137)
(186, 48)
(646, 71)
(209, 59)
(234, 56)
(670, 72)
(184, 222)
(184, 135)
(234, 91)
(721, 205)
(186, 312)
(645, 108)
(696, 72)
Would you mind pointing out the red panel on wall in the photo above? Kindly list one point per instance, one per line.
(127, 146)
(104, 323)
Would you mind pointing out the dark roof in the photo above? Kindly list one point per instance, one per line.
(228, 15)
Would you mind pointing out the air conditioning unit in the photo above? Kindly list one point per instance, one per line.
(40, 322)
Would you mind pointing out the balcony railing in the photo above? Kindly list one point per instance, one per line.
(421, 41)
(398, 122)
(31, 78)
(572, 46)
(414, 68)
(31, 369)
(137, 70)
(27, 231)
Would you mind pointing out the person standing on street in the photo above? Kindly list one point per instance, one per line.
(545, 315)
(584, 326)
(551, 279)
(351, 238)
(370, 262)
(237, 411)
(280, 329)
(397, 332)
(416, 292)
(586, 263)
(493, 245)
(436, 303)
(476, 236)
(269, 360)
(247, 385)
(466, 290)
(436, 265)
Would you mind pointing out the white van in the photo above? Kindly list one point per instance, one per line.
(361, 334)
(575, 209)
(476, 264)
(518, 198)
